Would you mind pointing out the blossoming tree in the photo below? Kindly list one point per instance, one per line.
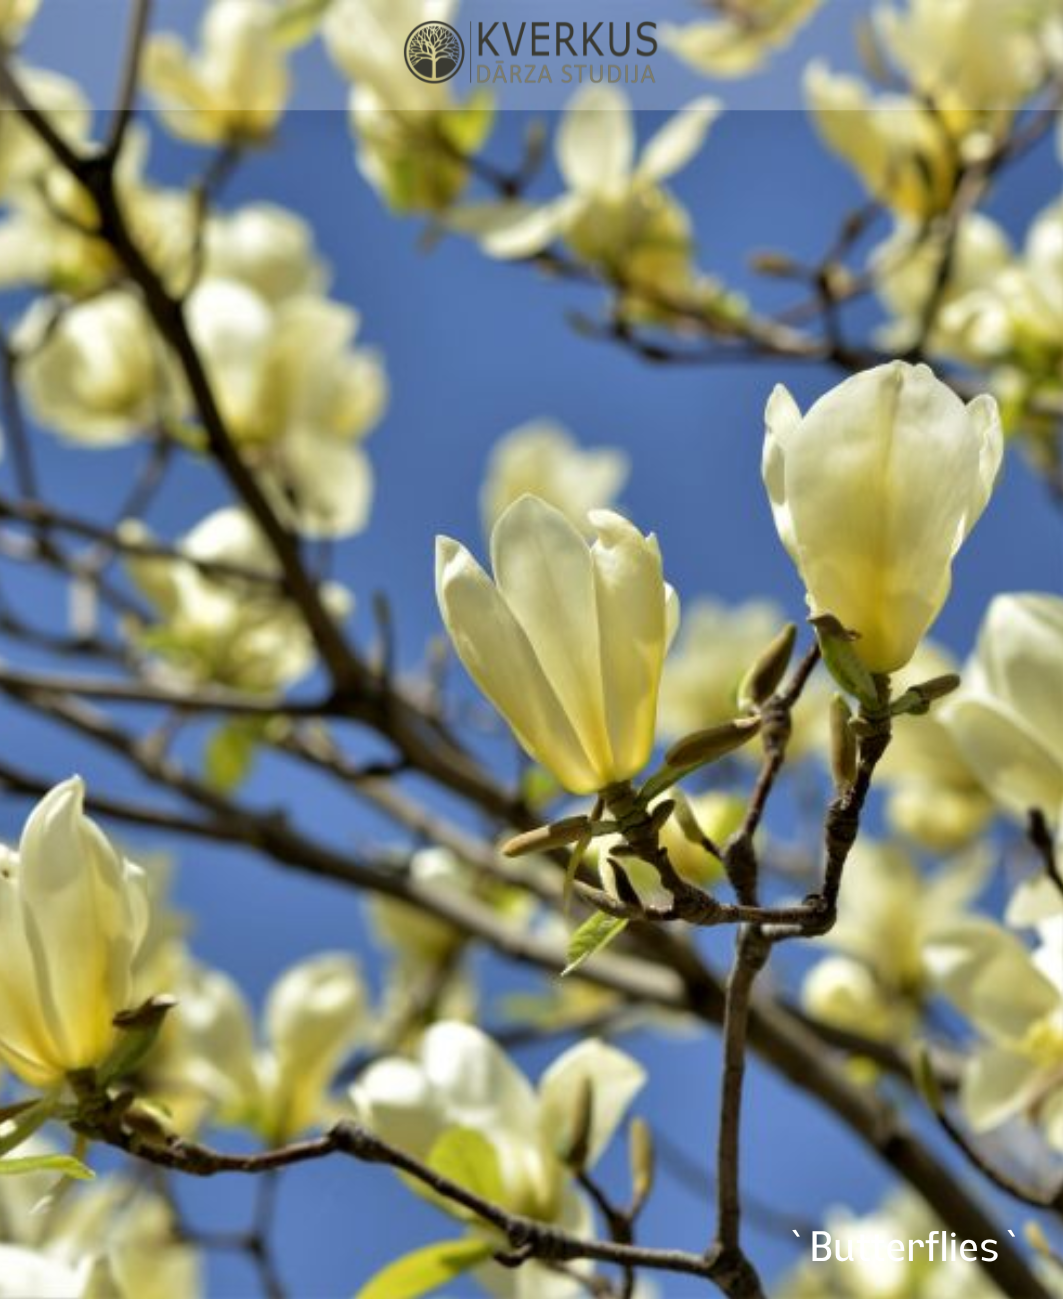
(610, 798)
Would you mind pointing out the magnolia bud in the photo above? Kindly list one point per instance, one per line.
(763, 678)
(842, 744)
(716, 742)
(641, 1159)
(558, 834)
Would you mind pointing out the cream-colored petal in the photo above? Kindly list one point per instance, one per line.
(615, 1080)
(632, 627)
(499, 657)
(1010, 760)
(676, 143)
(544, 571)
(476, 1082)
(997, 1084)
(782, 419)
(596, 141)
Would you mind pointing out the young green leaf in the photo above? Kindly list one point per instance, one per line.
(426, 1269)
(591, 937)
(65, 1165)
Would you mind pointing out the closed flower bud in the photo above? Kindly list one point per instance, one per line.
(714, 743)
(874, 490)
(763, 678)
(73, 914)
(568, 641)
(842, 744)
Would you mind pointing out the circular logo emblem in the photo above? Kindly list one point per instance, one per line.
(434, 52)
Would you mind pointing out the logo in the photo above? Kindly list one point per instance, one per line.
(434, 52)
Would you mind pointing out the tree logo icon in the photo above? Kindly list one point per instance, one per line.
(434, 51)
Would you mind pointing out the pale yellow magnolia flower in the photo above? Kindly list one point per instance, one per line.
(741, 40)
(1014, 997)
(969, 55)
(543, 459)
(72, 915)
(232, 90)
(278, 1088)
(933, 795)
(48, 238)
(568, 641)
(23, 158)
(874, 490)
(906, 267)
(1007, 718)
(297, 396)
(462, 1080)
(220, 627)
(412, 138)
(108, 1229)
(897, 147)
(99, 375)
(1019, 312)
(887, 914)
(267, 248)
(15, 17)
(718, 645)
(615, 213)
(25, 1271)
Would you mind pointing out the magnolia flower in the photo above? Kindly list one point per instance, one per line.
(716, 648)
(72, 916)
(462, 1086)
(106, 1230)
(615, 214)
(23, 157)
(969, 56)
(741, 39)
(906, 267)
(896, 145)
(267, 248)
(29, 1272)
(413, 140)
(1019, 311)
(568, 641)
(543, 459)
(233, 91)
(933, 795)
(1014, 998)
(99, 374)
(224, 627)
(314, 1016)
(15, 17)
(49, 238)
(874, 490)
(297, 396)
(888, 912)
(1007, 718)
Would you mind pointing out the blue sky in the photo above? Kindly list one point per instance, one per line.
(474, 348)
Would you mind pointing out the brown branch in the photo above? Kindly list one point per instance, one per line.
(139, 20)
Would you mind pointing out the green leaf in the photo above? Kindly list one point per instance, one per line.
(467, 1157)
(230, 753)
(591, 937)
(426, 1269)
(67, 1165)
